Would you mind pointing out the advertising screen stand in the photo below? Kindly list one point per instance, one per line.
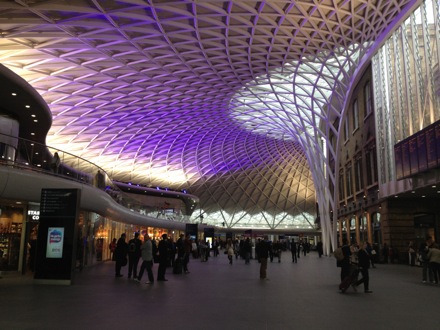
(57, 236)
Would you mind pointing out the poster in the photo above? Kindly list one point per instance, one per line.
(55, 240)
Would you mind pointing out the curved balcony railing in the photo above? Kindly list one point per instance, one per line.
(30, 155)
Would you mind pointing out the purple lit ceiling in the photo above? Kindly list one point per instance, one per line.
(228, 99)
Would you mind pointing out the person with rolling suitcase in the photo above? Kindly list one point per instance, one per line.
(346, 270)
(350, 279)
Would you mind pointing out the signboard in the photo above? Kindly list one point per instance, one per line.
(191, 229)
(57, 236)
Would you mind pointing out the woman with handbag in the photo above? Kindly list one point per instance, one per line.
(230, 250)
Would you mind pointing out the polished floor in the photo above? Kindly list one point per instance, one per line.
(216, 295)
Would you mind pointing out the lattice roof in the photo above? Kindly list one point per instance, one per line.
(223, 98)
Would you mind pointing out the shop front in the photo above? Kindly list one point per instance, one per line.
(11, 235)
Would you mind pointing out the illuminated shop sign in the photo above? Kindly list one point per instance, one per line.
(34, 215)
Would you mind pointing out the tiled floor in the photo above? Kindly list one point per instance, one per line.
(216, 295)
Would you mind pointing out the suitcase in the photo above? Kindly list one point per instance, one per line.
(349, 280)
(178, 266)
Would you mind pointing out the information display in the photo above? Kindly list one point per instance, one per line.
(55, 240)
(418, 153)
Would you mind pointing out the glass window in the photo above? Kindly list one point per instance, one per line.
(367, 99)
(346, 130)
(355, 115)
(348, 181)
(352, 223)
(341, 186)
(358, 174)
(371, 160)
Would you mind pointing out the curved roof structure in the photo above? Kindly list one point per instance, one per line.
(231, 100)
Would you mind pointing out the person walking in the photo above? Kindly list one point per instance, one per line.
(215, 247)
(263, 253)
(411, 254)
(277, 249)
(364, 264)
(112, 247)
(180, 249)
(134, 254)
(120, 255)
(319, 247)
(247, 250)
(426, 269)
(434, 262)
(147, 260)
(187, 247)
(293, 250)
(230, 250)
(55, 163)
(163, 250)
(345, 263)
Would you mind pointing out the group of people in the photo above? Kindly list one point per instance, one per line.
(243, 248)
(358, 259)
(130, 253)
(166, 253)
(429, 258)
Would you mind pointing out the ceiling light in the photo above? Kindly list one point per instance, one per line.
(14, 94)
(27, 106)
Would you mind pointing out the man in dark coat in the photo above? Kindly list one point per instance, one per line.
(163, 249)
(293, 250)
(263, 248)
(364, 264)
(120, 255)
(345, 263)
(134, 254)
(247, 250)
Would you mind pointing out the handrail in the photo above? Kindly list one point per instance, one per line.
(30, 155)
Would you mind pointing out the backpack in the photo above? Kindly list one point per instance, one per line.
(132, 247)
(338, 254)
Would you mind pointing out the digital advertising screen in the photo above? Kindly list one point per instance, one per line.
(55, 240)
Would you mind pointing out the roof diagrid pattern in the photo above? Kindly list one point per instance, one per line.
(229, 99)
